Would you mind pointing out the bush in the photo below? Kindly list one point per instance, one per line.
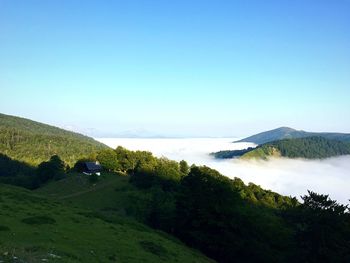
(109, 160)
(53, 169)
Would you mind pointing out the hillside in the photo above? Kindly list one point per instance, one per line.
(34, 229)
(112, 194)
(34, 142)
(153, 201)
(224, 218)
(289, 133)
(309, 148)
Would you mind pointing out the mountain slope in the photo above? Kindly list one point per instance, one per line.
(309, 148)
(289, 133)
(34, 229)
(34, 142)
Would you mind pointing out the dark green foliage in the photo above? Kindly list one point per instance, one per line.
(214, 213)
(322, 229)
(10, 168)
(230, 221)
(34, 142)
(309, 148)
(312, 147)
(212, 217)
(20, 174)
(162, 172)
(109, 160)
(52, 169)
(162, 209)
(17, 173)
(230, 154)
(130, 161)
(184, 167)
(127, 159)
(256, 195)
(39, 220)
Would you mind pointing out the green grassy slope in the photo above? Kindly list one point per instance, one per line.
(34, 142)
(36, 229)
(262, 153)
(111, 195)
(114, 197)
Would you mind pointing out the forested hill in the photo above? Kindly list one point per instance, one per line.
(35, 142)
(289, 133)
(309, 148)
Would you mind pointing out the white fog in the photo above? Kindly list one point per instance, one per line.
(286, 176)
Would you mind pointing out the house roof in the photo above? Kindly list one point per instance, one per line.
(92, 166)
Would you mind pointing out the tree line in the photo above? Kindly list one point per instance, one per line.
(229, 220)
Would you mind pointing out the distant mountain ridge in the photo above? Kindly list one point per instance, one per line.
(290, 133)
(33, 142)
(314, 147)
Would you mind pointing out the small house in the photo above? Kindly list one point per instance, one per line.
(92, 168)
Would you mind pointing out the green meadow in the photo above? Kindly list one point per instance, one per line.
(36, 229)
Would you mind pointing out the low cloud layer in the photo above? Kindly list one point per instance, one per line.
(286, 176)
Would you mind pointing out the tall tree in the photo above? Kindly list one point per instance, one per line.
(109, 160)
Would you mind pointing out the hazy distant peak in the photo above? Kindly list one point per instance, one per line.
(285, 129)
(290, 133)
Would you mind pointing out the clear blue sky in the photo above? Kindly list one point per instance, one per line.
(198, 68)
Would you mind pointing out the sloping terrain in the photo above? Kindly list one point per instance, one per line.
(289, 133)
(35, 229)
(111, 195)
(34, 142)
(308, 148)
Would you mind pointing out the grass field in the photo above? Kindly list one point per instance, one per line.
(111, 195)
(38, 229)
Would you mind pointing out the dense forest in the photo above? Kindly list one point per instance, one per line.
(34, 142)
(230, 221)
(229, 154)
(309, 148)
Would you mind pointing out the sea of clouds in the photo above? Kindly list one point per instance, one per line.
(286, 176)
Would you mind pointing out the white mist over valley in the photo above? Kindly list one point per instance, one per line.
(286, 176)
